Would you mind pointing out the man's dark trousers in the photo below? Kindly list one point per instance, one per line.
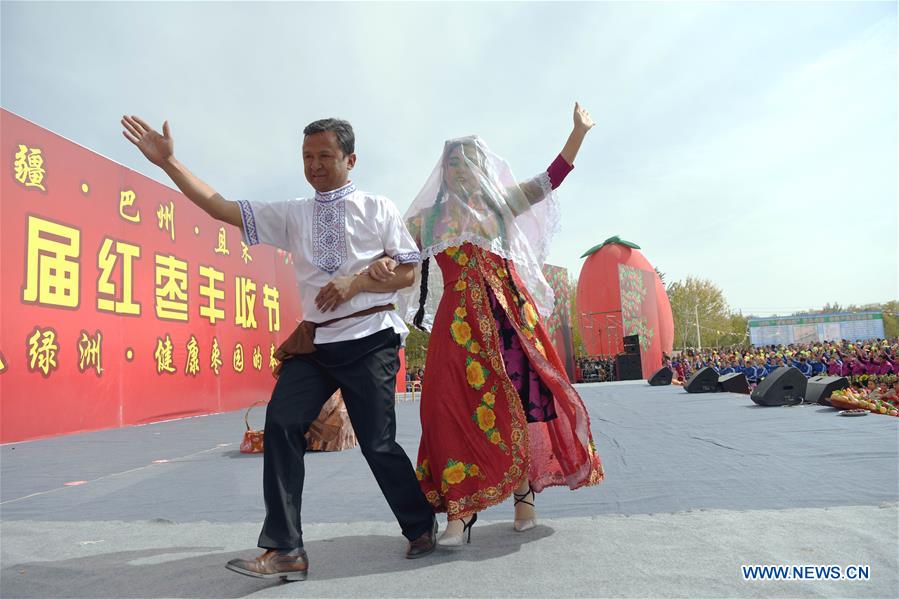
(365, 372)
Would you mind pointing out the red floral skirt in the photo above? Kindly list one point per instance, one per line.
(477, 445)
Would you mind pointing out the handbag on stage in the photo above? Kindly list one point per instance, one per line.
(331, 431)
(252, 441)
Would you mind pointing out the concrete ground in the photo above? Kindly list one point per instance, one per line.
(696, 487)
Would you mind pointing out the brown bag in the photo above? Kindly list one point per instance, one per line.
(301, 341)
(252, 441)
(331, 431)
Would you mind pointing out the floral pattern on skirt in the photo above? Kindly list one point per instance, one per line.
(496, 404)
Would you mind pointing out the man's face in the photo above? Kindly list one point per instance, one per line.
(326, 166)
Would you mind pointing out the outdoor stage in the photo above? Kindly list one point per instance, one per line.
(696, 486)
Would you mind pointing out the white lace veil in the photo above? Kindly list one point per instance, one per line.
(472, 196)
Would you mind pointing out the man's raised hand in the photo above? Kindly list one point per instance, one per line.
(157, 148)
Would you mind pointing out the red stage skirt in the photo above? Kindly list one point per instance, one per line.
(477, 445)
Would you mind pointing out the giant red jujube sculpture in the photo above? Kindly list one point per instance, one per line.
(619, 293)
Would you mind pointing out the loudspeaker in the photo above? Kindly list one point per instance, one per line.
(632, 344)
(784, 386)
(662, 376)
(628, 367)
(734, 382)
(704, 380)
(820, 387)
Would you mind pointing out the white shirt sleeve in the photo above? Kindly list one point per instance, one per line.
(266, 222)
(398, 242)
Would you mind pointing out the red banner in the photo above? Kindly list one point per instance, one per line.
(123, 303)
(640, 314)
(558, 325)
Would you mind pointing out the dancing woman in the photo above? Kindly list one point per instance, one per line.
(498, 413)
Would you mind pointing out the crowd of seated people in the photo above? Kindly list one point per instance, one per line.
(413, 379)
(860, 361)
(595, 369)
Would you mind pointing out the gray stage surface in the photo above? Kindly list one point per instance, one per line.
(696, 487)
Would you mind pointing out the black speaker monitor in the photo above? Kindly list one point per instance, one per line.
(662, 376)
(704, 380)
(785, 386)
(628, 367)
(632, 344)
(820, 387)
(734, 382)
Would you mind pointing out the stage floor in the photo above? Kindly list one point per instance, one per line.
(696, 486)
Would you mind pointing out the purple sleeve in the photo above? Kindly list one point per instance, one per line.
(558, 170)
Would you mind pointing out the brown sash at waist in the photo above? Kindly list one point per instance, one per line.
(301, 341)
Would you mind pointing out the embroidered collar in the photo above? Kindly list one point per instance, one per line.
(330, 196)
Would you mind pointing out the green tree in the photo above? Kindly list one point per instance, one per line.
(890, 318)
(416, 348)
(694, 297)
(738, 330)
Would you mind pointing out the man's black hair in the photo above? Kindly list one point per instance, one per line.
(342, 129)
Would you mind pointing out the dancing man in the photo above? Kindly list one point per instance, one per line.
(352, 253)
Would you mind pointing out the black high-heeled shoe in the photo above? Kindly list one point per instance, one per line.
(446, 540)
(529, 523)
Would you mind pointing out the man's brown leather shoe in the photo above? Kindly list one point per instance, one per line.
(424, 544)
(273, 564)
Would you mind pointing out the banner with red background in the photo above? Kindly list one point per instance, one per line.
(558, 325)
(122, 303)
(640, 314)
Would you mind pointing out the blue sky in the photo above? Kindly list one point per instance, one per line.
(753, 144)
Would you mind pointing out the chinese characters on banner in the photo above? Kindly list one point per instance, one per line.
(123, 303)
